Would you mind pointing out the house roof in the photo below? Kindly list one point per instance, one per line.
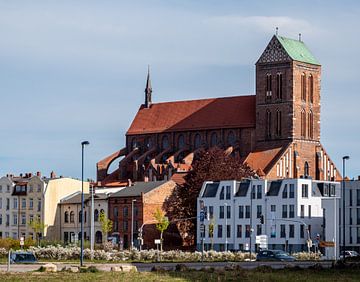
(227, 112)
(138, 188)
(76, 199)
(297, 50)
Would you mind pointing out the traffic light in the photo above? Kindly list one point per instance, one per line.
(262, 219)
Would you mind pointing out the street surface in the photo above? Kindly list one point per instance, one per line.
(142, 267)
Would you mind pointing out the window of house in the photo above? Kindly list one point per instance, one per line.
(116, 212)
(23, 203)
(23, 219)
(253, 192)
(96, 215)
(228, 192)
(0, 203)
(239, 231)
(125, 225)
(279, 83)
(285, 192)
(282, 231)
(302, 211)
(219, 235)
(228, 231)
(211, 212)
(291, 211)
(80, 216)
(31, 188)
(309, 211)
(15, 203)
(247, 231)
(31, 203)
(228, 212)
(259, 192)
(72, 217)
(358, 216)
(303, 124)
(350, 216)
(357, 197)
(304, 190)
(0, 219)
(303, 87)
(7, 188)
(7, 204)
(31, 218)
(278, 123)
(241, 211)
(284, 211)
(358, 235)
(291, 231)
(39, 188)
(0, 188)
(221, 212)
(258, 229)
(125, 212)
(350, 197)
(39, 205)
(258, 211)
(66, 217)
(273, 208)
(222, 193)
(15, 219)
(292, 191)
(247, 211)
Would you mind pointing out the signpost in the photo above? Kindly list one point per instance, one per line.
(22, 243)
(326, 244)
(262, 240)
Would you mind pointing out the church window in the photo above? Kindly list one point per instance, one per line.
(231, 138)
(133, 143)
(268, 87)
(279, 86)
(165, 142)
(303, 124)
(213, 139)
(311, 88)
(148, 142)
(181, 141)
(268, 124)
(278, 123)
(303, 87)
(311, 125)
(306, 169)
(197, 141)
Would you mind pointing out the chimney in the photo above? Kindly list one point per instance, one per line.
(21, 175)
(359, 177)
(38, 174)
(30, 174)
(52, 174)
(129, 182)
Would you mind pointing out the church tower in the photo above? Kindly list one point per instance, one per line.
(287, 93)
(148, 91)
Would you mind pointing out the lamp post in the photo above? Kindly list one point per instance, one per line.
(343, 211)
(83, 144)
(132, 223)
(92, 229)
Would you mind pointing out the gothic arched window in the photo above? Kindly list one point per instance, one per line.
(148, 142)
(72, 215)
(268, 124)
(197, 141)
(278, 123)
(279, 86)
(311, 125)
(66, 217)
(181, 141)
(133, 143)
(213, 139)
(306, 169)
(268, 87)
(231, 138)
(303, 87)
(311, 88)
(165, 142)
(96, 215)
(303, 124)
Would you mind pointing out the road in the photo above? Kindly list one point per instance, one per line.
(142, 267)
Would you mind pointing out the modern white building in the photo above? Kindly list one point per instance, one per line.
(288, 211)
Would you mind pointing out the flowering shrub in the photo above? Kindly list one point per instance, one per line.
(73, 252)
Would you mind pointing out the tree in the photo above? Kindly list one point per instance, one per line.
(106, 224)
(211, 232)
(38, 227)
(213, 164)
(161, 225)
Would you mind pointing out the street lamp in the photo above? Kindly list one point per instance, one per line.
(132, 223)
(83, 144)
(343, 194)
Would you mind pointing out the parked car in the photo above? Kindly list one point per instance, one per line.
(22, 257)
(349, 254)
(274, 255)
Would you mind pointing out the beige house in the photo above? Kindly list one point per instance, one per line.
(27, 197)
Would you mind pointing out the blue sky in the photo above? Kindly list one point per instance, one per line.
(75, 70)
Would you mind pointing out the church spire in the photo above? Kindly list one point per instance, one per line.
(148, 90)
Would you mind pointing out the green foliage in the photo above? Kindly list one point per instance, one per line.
(38, 227)
(162, 221)
(106, 224)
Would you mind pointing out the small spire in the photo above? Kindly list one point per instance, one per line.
(277, 31)
(299, 36)
(148, 90)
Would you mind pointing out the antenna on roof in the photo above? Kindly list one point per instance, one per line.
(277, 31)
(299, 36)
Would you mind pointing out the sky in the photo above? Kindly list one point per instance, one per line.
(76, 70)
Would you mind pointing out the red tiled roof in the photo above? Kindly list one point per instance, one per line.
(260, 159)
(227, 112)
(179, 178)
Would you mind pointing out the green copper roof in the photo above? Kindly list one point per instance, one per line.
(297, 50)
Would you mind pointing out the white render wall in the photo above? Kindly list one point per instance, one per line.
(272, 219)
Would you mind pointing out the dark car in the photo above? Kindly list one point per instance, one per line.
(349, 254)
(274, 255)
(23, 257)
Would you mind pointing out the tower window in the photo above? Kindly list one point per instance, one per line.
(279, 86)
(306, 169)
(303, 87)
(311, 88)
(268, 124)
(311, 125)
(278, 123)
(303, 124)
(268, 87)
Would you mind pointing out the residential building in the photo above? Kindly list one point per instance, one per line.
(137, 204)
(276, 131)
(26, 197)
(288, 211)
(70, 215)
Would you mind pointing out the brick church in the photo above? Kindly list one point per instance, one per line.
(276, 131)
